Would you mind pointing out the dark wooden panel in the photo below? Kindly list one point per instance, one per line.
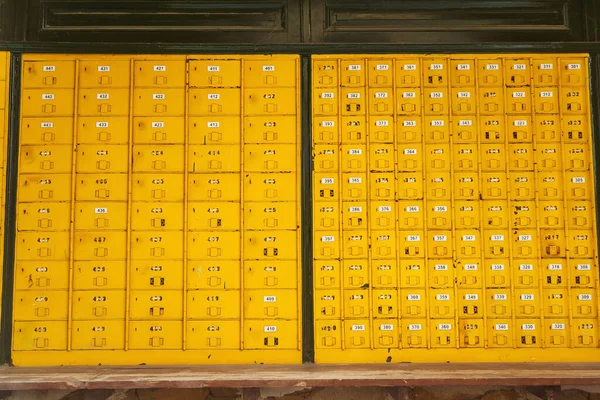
(447, 21)
(191, 21)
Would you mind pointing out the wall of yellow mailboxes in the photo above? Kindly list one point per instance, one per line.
(159, 209)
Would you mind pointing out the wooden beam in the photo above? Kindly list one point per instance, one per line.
(300, 376)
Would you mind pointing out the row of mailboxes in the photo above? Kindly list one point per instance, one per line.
(150, 130)
(456, 129)
(457, 71)
(417, 333)
(118, 72)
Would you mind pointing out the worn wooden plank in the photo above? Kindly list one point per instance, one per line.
(309, 375)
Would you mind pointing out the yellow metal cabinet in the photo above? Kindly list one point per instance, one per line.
(411, 214)
(545, 72)
(213, 274)
(167, 130)
(385, 274)
(527, 302)
(271, 303)
(100, 245)
(408, 101)
(356, 303)
(159, 187)
(494, 185)
(353, 130)
(211, 130)
(270, 245)
(500, 333)
(443, 333)
(525, 243)
(386, 334)
(411, 244)
(575, 129)
(155, 335)
(48, 74)
(467, 214)
(463, 101)
(470, 303)
(103, 130)
(556, 333)
(270, 73)
(413, 303)
(381, 186)
(528, 332)
(354, 186)
(356, 273)
(580, 214)
(214, 245)
(578, 156)
(161, 245)
(526, 273)
(385, 303)
(573, 100)
(98, 335)
(47, 102)
(326, 215)
(39, 335)
(158, 158)
(209, 216)
(156, 304)
(381, 101)
(555, 302)
(42, 275)
(352, 73)
(327, 274)
(353, 157)
(491, 100)
(270, 101)
(582, 272)
(328, 335)
(489, 72)
(103, 101)
(550, 186)
(441, 303)
(383, 244)
(519, 129)
(438, 185)
(410, 185)
(439, 215)
(213, 304)
(158, 101)
(325, 157)
(435, 71)
(496, 243)
(381, 130)
(548, 157)
(325, 101)
(270, 274)
(408, 73)
(273, 129)
(468, 243)
(271, 335)
(439, 244)
(466, 186)
(265, 215)
(214, 102)
(104, 73)
(101, 216)
(546, 100)
(217, 158)
(471, 332)
(436, 101)
(518, 100)
(42, 245)
(327, 304)
(499, 303)
(46, 131)
(44, 216)
(99, 275)
(96, 187)
(37, 305)
(410, 157)
(381, 157)
(275, 187)
(382, 215)
(495, 213)
(523, 214)
(214, 73)
(492, 130)
(91, 305)
(464, 130)
(156, 216)
(469, 273)
(547, 128)
(581, 243)
(44, 187)
(270, 157)
(437, 129)
(585, 332)
(462, 72)
(327, 244)
(325, 73)
(573, 71)
(213, 335)
(466, 156)
(414, 333)
(578, 185)
(353, 101)
(159, 73)
(212, 187)
(45, 159)
(380, 72)
(102, 158)
(521, 157)
(517, 72)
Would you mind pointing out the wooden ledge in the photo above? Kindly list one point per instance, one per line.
(308, 375)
